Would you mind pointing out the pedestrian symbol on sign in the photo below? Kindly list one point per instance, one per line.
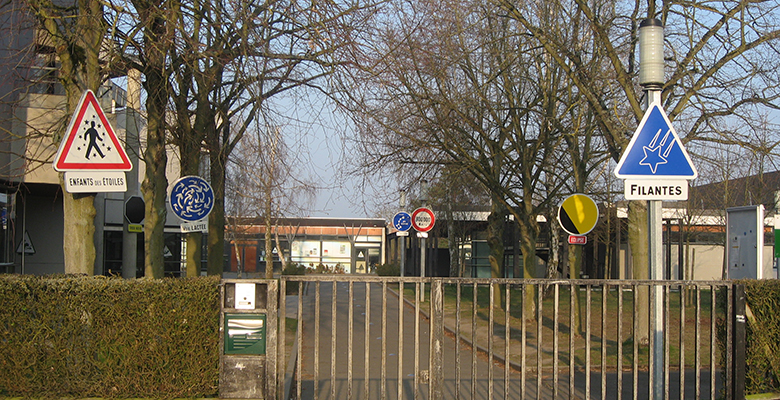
(92, 136)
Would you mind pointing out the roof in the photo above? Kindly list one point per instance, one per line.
(316, 221)
(750, 190)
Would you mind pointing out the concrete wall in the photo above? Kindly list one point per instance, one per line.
(707, 261)
(37, 117)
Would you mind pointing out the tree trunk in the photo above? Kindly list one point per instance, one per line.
(216, 263)
(279, 250)
(269, 251)
(155, 184)
(495, 239)
(79, 233)
(452, 244)
(555, 245)
(528, 235)
(638, 241)
(190, 165)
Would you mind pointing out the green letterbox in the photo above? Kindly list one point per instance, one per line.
(245, 334)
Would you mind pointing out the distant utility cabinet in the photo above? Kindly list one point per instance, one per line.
(745, 242)
(248, 339)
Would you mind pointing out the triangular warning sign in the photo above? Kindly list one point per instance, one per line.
(25, 246)
(90, 142)
(655, 151)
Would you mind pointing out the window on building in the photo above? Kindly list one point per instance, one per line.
(44, 72)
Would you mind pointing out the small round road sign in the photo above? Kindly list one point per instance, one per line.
(423, 219)
(191, 198)
(402, 221)
(578, 214)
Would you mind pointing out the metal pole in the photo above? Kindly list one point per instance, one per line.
(130, 239)
(738, 360)
(403, 255)
(402, 263)
(655, 263)
(422, 236)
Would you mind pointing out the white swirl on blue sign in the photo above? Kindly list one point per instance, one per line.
(191, 198)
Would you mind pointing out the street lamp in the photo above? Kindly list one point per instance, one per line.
(423, 197)
(651, 53)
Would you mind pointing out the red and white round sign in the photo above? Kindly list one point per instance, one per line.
(423, 219)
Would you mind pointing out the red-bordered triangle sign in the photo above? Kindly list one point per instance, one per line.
(90, 142)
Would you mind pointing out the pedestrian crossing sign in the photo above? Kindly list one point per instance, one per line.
(89, 142)
(655, 151)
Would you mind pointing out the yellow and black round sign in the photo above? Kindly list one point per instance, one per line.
(578, 214)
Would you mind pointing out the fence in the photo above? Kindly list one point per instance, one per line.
(434, 338)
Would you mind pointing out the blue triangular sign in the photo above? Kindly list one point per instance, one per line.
(655, 151)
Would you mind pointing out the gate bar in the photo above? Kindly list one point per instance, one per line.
(317, 340)
(400, 339)
(457, 342)
(383, 381)
(299, 338)
(333, 321)
(436, 378)
(573, 291)
(683, 304)
(604, 294)
(367, 340)
(350, 339)
(556, 312)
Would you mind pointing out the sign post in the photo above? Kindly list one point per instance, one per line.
(402, 221)
(423, 221)
(655, 167)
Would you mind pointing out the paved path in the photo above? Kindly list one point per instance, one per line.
(339, 376)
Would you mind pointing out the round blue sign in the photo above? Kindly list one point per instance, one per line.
(191, 198)
(402, 221)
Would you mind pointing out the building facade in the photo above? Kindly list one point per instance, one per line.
(339, 245)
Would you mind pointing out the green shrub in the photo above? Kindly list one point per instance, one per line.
(292, 268)
(108, 337)
(762, 336)
(391, 269)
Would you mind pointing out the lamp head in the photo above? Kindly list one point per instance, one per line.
(651, 53)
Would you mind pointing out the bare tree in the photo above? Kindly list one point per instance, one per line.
(458, 195)
(720, 69)
(264, 175)
(458, 85)
(75, 33)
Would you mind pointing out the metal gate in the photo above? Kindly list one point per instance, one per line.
(349, 337)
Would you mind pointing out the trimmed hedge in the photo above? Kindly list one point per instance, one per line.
(762, 370)
(108, 337)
